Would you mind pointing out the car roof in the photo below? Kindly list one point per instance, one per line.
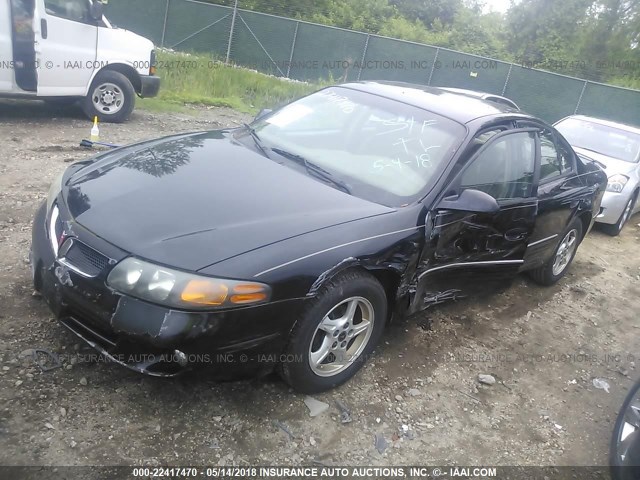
(456, 106)
(607, 123)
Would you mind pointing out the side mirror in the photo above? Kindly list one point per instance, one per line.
(262, 113)
(96, 11)
(470, 201)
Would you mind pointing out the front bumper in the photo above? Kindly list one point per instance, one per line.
(150, 338)
(150, 86)
(613, 204)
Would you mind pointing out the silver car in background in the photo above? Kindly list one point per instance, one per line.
(616, 148)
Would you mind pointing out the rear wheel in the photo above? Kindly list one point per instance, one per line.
(558, 264)
(111, 98)
(616, 228)
(336, 333)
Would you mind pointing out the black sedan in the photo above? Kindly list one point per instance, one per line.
(291, 242)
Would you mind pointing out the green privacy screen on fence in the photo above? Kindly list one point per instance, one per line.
(309, 52)
(543, 94)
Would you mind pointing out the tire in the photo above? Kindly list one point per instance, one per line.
(615, 229)
(111, 98)
(548, 274)
(353, 291)
(631, 468)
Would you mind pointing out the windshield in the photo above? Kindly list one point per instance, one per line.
(382, 150)
(609, 141)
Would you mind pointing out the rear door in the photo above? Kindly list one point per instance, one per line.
(66, 43)
(559, 193)
(465, 250)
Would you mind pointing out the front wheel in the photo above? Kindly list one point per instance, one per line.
(111, 98)
(336, 333)
(617, 227)
(558, 264)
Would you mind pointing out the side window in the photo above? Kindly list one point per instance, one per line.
(505, 168)
(76, 10)
(566, 157)
(554, 161)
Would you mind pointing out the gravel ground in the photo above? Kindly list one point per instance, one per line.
(420, 396)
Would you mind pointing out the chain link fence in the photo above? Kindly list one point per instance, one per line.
(306, 51)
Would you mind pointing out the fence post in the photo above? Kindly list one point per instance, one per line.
(433, 67)
(584, 87)
(364, 54)
(293, 46)
(506, 80)
(233, 25)
(164, 26)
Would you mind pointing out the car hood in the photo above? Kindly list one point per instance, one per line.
(612, 166)
(194, 200)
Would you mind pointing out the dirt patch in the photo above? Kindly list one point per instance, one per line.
(544, 346)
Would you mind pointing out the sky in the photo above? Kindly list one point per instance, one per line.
(496, 5)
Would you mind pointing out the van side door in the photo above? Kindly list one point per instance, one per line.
(66, 44)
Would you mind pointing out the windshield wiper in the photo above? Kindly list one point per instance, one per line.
(256, 139)
(591, 150)
(314, 169)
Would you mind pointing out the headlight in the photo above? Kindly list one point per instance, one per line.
(616, 183)
(54, 191)
(178, 289)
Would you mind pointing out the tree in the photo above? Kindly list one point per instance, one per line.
(429, 11)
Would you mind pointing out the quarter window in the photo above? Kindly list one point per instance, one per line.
(505, 168)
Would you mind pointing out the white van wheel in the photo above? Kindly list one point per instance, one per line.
(111, 97)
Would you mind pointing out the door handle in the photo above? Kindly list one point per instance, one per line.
(44, 31)
(515, 235)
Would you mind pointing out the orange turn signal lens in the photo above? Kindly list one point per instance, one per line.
(248, 293)
(204, 292)
(248, 298)
(153, 70)
(248, 288)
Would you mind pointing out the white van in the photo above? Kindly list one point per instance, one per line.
(67, 51)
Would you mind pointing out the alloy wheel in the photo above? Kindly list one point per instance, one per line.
(341, 336)
(565, 252)
(627, 213)
(630, 424)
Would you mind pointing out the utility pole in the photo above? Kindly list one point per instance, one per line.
(233, 24)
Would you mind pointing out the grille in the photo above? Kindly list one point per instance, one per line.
(86, 259)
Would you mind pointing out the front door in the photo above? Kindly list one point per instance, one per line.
(66, 43)
(469, 250)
